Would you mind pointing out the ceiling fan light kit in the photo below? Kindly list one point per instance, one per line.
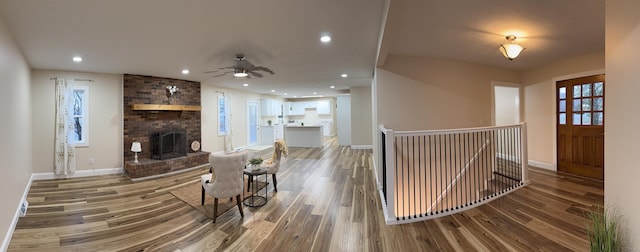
(240, 73)
(510, 50)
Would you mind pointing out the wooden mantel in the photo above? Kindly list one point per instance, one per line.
(166, 107)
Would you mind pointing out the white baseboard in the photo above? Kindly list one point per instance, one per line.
(77, 174)
(543, 165)
(362, 147)
(16, 216)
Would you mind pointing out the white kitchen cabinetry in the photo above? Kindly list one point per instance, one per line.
(296, 108)
(323, 107)
(270, 107)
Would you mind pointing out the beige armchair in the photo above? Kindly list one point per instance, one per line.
(273, 165)
(228, 181)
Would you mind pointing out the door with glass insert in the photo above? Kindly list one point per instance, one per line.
(580, 126)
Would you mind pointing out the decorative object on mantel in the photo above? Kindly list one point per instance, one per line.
(195, 145)
(135, 147)
(171, 90)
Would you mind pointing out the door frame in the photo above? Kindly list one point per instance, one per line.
(554, 108)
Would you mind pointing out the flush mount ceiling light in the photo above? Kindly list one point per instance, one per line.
(185, 71)
(344, 75)
(240, 73)
(245, 84)
(325, 39)
(510, 50)
(77, 59)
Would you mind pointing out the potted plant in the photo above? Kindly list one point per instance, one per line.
(255, 163)
(603, 230)
(269, 122)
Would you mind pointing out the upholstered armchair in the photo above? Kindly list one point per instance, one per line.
(273, 165)
(228, 181)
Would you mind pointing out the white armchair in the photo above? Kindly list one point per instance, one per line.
(228, 181)
(273, 165)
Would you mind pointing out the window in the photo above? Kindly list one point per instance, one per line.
(80, 108)
(222, 116)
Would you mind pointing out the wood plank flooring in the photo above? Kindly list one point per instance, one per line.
(326, 201)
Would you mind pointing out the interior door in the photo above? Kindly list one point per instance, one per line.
(253, 127)
(580, 127)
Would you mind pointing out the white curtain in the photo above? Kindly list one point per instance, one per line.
(228, 138)
(65, 157)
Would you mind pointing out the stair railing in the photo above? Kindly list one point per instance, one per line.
(433, 173)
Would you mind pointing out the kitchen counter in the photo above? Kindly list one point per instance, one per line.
(303, 136)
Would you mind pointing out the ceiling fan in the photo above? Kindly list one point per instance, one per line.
(242, 68)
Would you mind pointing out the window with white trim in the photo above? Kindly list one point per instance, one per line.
(80, 114)
(222, 116)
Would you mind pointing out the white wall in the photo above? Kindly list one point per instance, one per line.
(211, 142)
(105, 120)
(415, 93)
(621, 119)
(15, 147)
(539, 102)
(361, 117)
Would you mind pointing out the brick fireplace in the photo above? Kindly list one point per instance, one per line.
(150, 109)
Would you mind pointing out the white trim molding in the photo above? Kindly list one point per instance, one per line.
(16, 216)
(543, 165)
(77, 174)
(362, 147)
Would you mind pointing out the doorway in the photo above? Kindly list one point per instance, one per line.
(507, 105)
(580, 126)
(252, 123)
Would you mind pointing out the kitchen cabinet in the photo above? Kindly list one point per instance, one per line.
(323, 107)
(270, 107)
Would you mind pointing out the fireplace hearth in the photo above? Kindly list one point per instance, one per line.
(169, 144)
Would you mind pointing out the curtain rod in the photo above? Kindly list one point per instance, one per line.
(91, 80)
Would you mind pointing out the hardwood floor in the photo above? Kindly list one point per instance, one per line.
(326, 201)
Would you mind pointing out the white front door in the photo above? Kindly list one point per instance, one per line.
(343, 111)
(253, 128)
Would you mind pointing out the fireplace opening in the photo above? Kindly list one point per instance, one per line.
(169, 144)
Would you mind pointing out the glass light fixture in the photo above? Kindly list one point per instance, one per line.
(510, 50)
(240, 73)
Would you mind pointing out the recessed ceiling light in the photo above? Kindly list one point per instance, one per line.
(273, 91)
(325, 39)
(344, 75)
(77, 59)
(245, 85)
(315, 92)
(332, 86)
(285, 93)
(295, 96)
(185, 71)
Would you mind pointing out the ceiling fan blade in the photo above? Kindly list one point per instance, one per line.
(259, 75)
(261, 68)
(221, 74)
(212, 71)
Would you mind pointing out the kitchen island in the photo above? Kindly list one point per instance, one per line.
(303, 136)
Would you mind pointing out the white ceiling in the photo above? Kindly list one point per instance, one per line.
(471, 31)
(162, 37)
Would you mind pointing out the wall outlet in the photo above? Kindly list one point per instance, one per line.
(23, 208)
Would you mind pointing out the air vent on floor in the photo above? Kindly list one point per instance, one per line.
(23, 208)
